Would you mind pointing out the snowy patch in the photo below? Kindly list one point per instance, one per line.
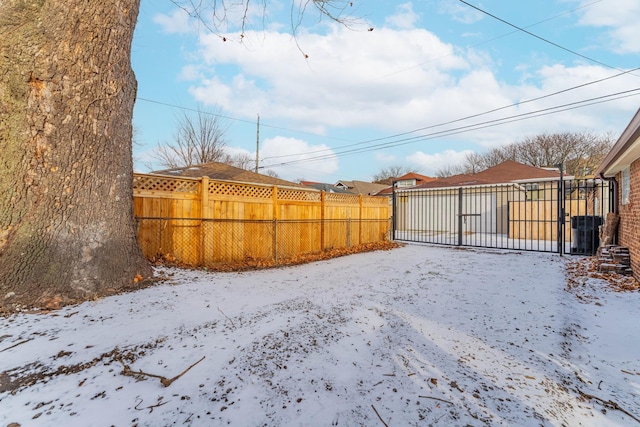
(419, 335)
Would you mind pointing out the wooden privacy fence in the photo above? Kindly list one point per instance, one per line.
(204, 222)
(538, 219)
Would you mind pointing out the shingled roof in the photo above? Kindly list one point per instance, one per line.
(504, 173)
(510, 171)
(361, 187)
(225, 172)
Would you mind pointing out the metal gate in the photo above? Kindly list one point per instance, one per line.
(560, 216)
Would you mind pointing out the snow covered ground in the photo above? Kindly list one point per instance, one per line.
(420, 335)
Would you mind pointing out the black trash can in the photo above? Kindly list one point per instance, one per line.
(584, 234)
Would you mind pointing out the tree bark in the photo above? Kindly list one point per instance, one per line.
(66, 105)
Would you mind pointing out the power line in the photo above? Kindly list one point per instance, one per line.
(492, 39)
(222, 116)
(464, 118)
(342, 149)
(472, 127)
(354, 143)
(538, 37)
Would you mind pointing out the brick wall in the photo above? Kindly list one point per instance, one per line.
(629, 229)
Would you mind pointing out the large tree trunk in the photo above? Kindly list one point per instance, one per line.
(66, 104)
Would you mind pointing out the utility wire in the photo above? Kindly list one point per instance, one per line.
(179, 107)
(343, 147)
(566, 12)
(469, 128)
(462, 118)
(438, 124)
(538, 37)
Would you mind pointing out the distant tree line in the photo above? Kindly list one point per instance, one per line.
(580, 153)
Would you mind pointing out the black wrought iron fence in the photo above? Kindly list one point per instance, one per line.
(546, 216)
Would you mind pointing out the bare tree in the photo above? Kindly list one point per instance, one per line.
(390, 173)
(66, 184)
(270, 173)
(243, 161)
(579, 152)
(589, 154)
(197, 140)
(450, 170)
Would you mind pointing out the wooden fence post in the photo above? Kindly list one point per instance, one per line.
(276, 215)
(204, 214)
(322, 207)
(360, 219)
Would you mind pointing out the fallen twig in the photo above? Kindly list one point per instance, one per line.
(150, 408)
(232, 324)
(163, 380)
(608, 403)
(436, 398)
(381, 420)
(71, 314)
(15, 345)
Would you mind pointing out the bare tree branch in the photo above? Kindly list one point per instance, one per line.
(391, 172)
(196, 140)
(218, 15)
(580, 153)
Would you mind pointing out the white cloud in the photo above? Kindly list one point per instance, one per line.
(190, 72)
(430, 164)
(351, 79)
(391, 81)
(621, 18)
(459, 12)
(405, 18)
(239, 151)
(384, 157)
(177, 22)
(276, 152)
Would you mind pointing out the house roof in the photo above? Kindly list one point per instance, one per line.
(624, 151)
(416, 176)
(328, 188)
(510, 171)
(225, 172)
(506, 172)
(408, 176)
(455, 180)
(362, 187)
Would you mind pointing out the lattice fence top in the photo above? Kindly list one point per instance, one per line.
(239, 190)
(341, 198)
(157, 183)
(302, 195)
(245, 190)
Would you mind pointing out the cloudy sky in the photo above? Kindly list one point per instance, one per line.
(416, 84)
